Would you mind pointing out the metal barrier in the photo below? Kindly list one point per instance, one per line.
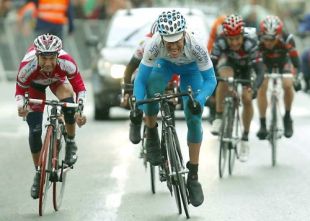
(14, 43)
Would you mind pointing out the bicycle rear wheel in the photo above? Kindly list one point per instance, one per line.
(60, 170)
(45, 169)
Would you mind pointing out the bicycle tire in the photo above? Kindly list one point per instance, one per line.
(152, 178)
(224, 145)
(172, 170)
(274, 131)
(179, 179)
(181, 176)
(45, 168)
(58, 167)
(235, 145)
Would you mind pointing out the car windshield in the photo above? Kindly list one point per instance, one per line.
(128, 29)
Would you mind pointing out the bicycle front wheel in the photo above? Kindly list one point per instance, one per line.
(273, 137)
(224, 137)
(45, 168)
(60, 170)
(177, 164)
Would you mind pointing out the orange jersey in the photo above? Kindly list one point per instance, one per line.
(215, 30)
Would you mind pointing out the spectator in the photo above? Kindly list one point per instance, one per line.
(52, 16)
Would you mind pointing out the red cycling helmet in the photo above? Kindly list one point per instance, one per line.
(271, 27)
(233, 25)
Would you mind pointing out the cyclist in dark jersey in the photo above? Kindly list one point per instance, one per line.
(278, 51)
(235, 53)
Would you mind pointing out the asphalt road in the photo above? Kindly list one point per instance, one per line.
(110, 183)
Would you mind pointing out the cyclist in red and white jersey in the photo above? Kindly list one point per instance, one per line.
(47, 65)
(278, 50)
(235, 53)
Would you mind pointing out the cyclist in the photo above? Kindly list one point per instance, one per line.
(47, 65)
(136, 121)
(305, 66)
(174, 50)
(236, 52)
(278, 50)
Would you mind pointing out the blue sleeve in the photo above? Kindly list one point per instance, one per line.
(141, 81)
(208, 86)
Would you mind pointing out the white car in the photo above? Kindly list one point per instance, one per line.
(126, 29)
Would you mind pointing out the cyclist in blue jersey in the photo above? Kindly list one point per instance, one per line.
(174, 50)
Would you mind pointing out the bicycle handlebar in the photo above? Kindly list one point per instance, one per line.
(278, 75)
(160, 97)
(53, 102)
(232, 80)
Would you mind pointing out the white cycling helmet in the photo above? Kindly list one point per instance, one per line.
(171, 25)
(47, 44)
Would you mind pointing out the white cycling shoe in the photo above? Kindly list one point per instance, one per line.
(216, 126)
(244, 151)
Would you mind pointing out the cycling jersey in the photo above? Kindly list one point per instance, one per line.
(194, 67)
(246, 58)
(30, 77)
(279, 55)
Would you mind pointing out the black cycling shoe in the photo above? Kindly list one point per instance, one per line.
(262, 133)
(288, 127)
(135, 133)
(71, 150)
(195, 192)
(152, 145)
(34, 191)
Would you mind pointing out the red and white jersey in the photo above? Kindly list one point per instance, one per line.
(66, 68)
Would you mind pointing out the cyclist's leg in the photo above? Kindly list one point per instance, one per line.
(287, 84)
(262, 104)
(194, 135)
(247, 114)
(224, 70)
(34, 121)
(64, 92)
(156, 83)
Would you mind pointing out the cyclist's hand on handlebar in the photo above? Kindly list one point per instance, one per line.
(194, 107)
(125, 101)
(254, 93)
(127, 90)
(22, 111)
(80, 119)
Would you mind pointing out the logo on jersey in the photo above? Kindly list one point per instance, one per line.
(200, 54)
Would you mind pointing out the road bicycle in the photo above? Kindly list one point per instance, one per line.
(52, 167)
(276, 125)
(172, 166)
(231, 128)
(172, 88)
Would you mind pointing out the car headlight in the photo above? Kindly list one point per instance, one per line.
(114, 70)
